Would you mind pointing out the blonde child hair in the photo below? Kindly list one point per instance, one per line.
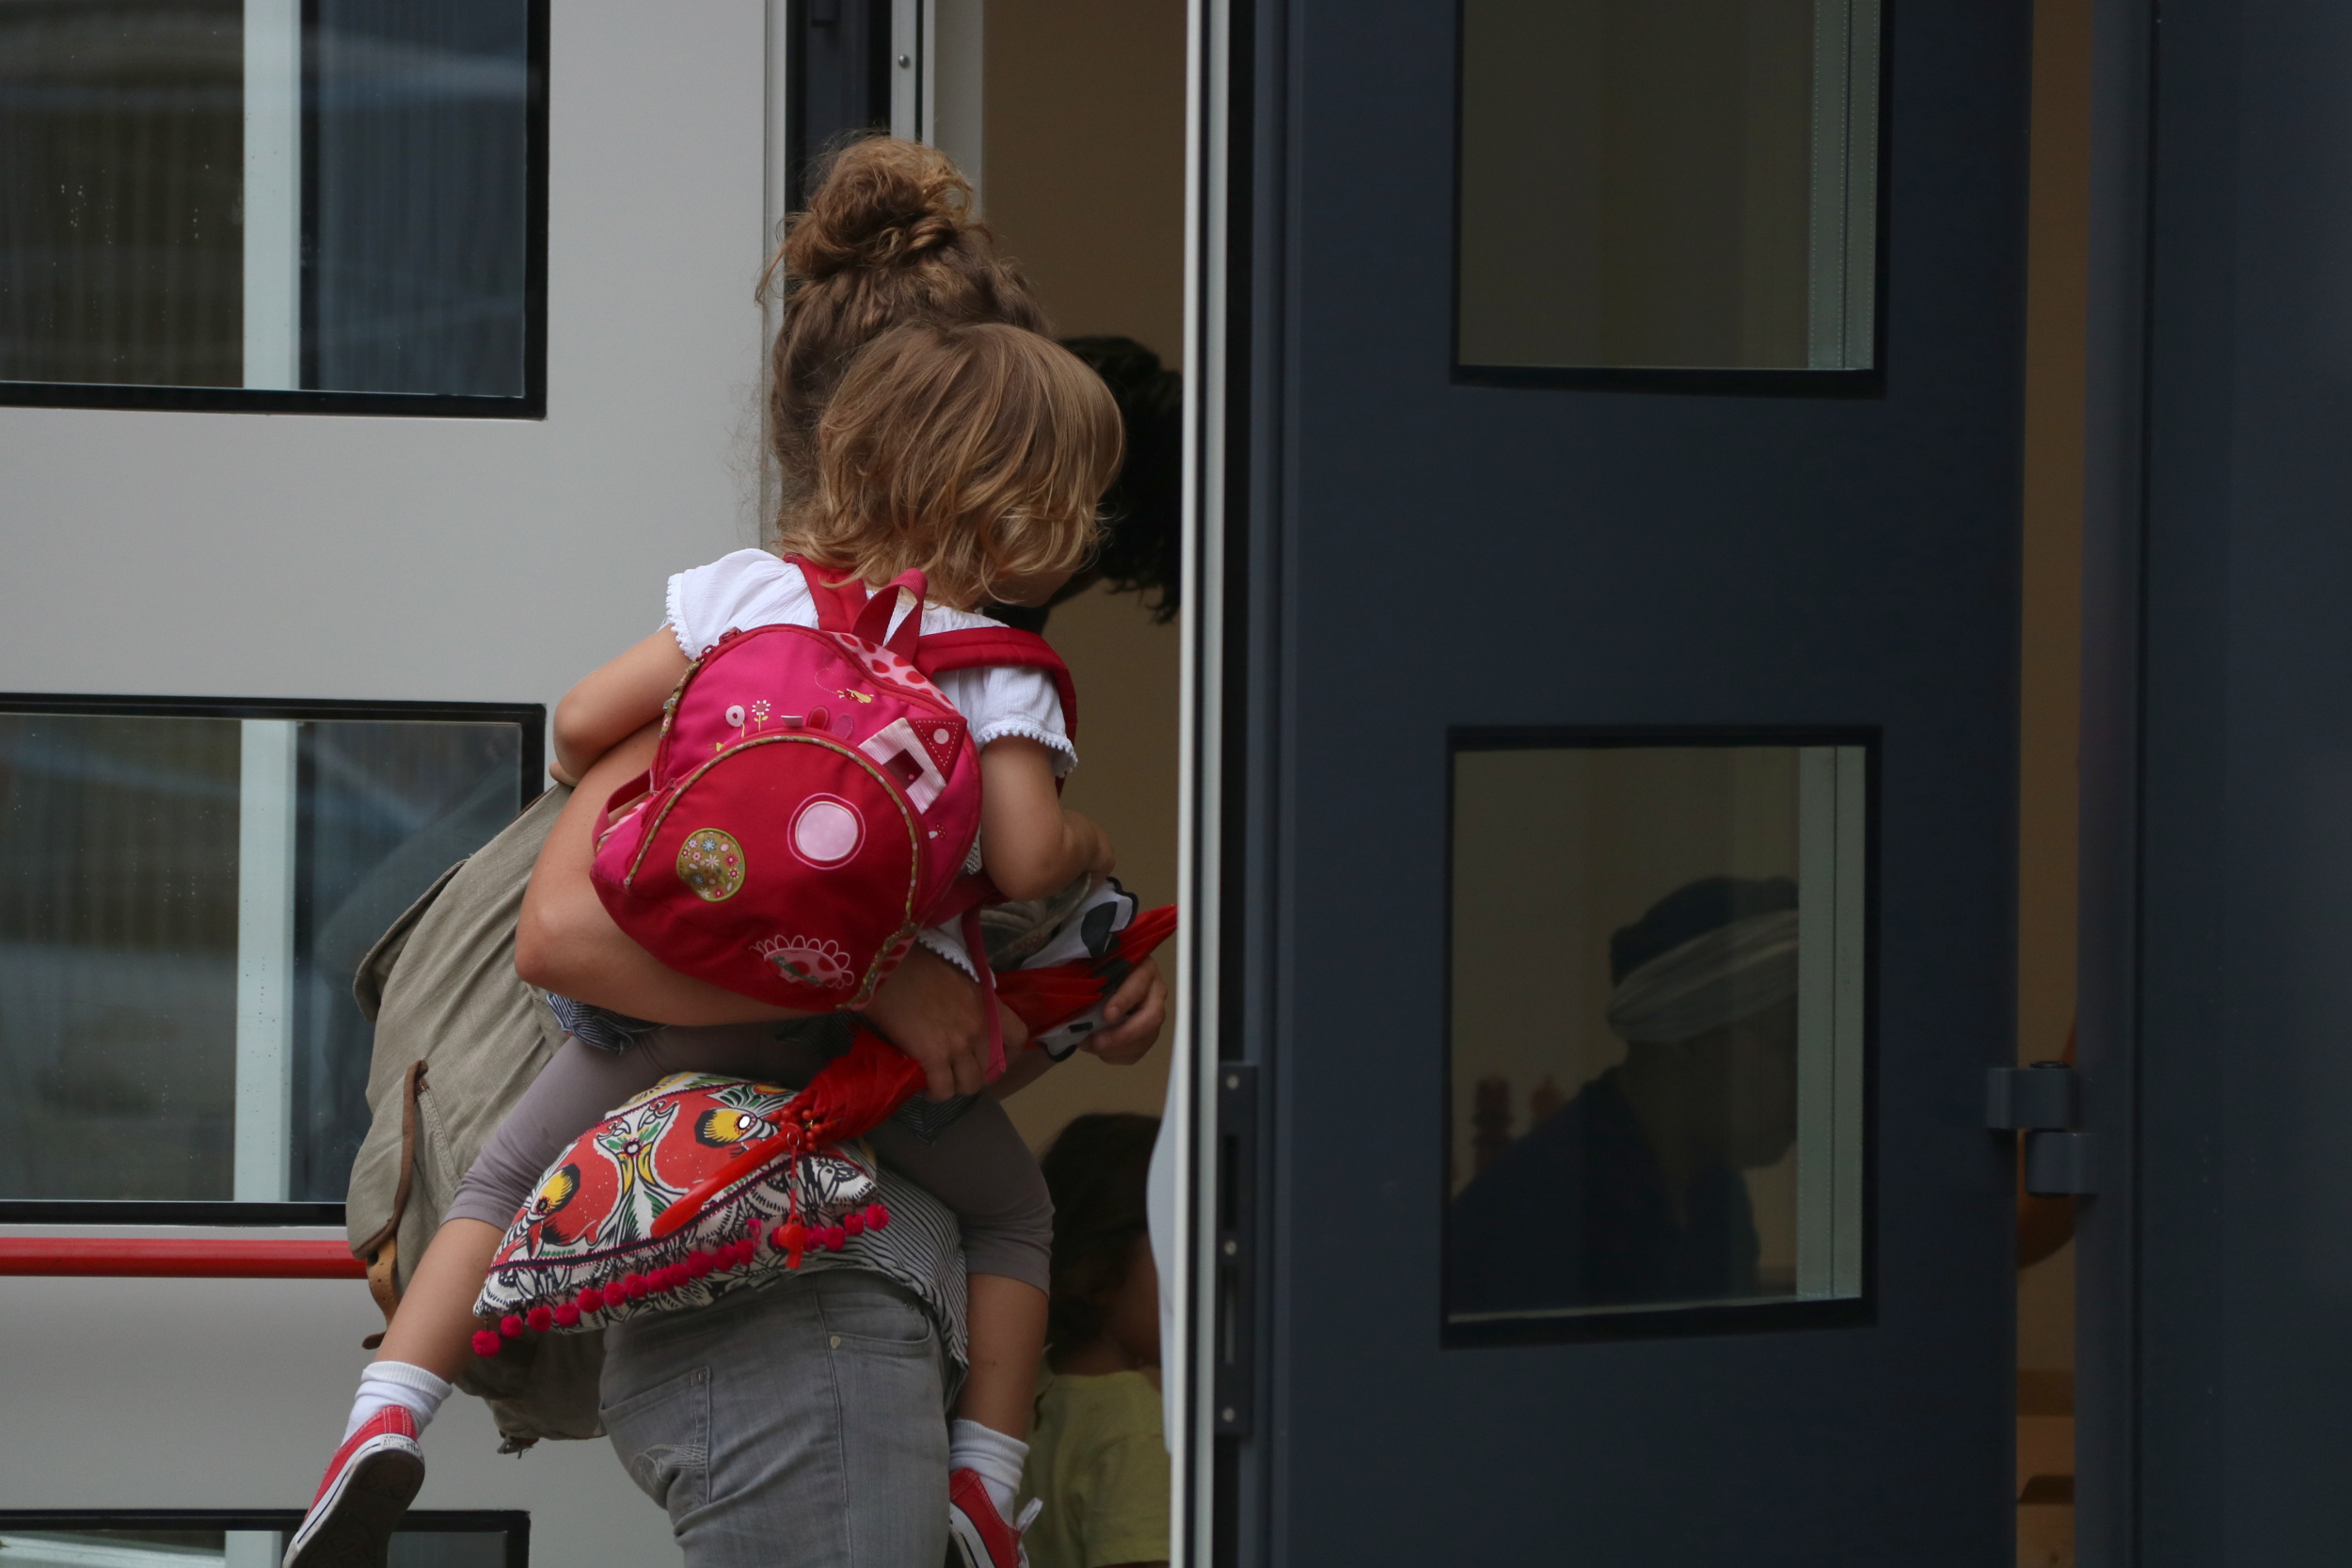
(978, 453)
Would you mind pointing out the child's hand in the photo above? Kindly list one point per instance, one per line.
(1102, 860)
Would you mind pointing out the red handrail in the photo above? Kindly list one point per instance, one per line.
(179, 1258)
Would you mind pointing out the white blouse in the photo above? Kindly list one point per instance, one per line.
(752, 588)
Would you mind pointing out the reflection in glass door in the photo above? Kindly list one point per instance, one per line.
(1655, 1036)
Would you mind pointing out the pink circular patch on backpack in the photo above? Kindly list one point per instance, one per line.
(827, 831)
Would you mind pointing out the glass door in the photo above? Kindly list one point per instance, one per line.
(1604, 737)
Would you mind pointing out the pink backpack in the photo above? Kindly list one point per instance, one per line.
(814, 801)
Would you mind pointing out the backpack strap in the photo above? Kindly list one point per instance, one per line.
(873, 622)
(989, 647)
(977, 948)
(836, 606)
(842, 609)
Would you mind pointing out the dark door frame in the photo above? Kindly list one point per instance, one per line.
(2114, 495)
(2210, 1363)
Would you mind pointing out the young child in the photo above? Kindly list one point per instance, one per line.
(977, 453)
(1097, 1461)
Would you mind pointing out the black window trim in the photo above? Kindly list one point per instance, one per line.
(1650, 1323)
(514, 1523)
(531, 404)
(531, 782)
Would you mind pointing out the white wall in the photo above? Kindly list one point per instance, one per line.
(230, 1393)
(326, 556)
(310, 556)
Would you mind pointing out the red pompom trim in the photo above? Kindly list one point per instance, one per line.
(852, 1222)
(876, 1216)
(486, 1343)
(567, 1315)
(511, 1325)
(634, 1287)
(541, 1319)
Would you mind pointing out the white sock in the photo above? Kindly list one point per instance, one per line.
(994, 1457)
(396, 1383)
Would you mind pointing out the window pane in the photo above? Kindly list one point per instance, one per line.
(387, 807)
(1668, 184)
(210, 193)
(117, 956)
(184, 903)
(1655, 1033)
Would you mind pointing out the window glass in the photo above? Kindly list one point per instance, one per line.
(1655, 1037)
(275, 196)
(184, 900)
(1668, 185)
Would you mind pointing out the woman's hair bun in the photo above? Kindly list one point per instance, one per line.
(878, 200)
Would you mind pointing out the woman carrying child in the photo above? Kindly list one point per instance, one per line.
(975, 451)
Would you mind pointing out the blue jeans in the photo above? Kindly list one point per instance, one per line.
(802, 1423)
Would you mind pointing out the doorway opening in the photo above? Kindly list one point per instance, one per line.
(2050, 675)
(1069, 118)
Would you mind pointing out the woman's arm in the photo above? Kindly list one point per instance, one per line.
(1030, 846)
(615, 702)
(567, 942)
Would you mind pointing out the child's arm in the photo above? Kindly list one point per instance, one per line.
(615, 702)
(1030, 846)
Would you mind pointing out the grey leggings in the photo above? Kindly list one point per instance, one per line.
(978, 1167)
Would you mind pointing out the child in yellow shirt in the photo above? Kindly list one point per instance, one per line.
(1096, 1457)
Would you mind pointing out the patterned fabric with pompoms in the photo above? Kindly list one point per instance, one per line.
(666, 1203)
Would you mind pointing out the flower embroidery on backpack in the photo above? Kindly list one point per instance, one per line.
(808, 960)
(712, 862)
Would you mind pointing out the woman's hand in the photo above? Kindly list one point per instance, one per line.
(931, 1010)
(1132, 1018)
(1134, 1013)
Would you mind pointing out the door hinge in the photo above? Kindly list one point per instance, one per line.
(2061, 1165)
(2045, 1102)
(1235, 1383)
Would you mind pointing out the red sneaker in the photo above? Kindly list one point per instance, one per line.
(976, 1532)
(368, 1485)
